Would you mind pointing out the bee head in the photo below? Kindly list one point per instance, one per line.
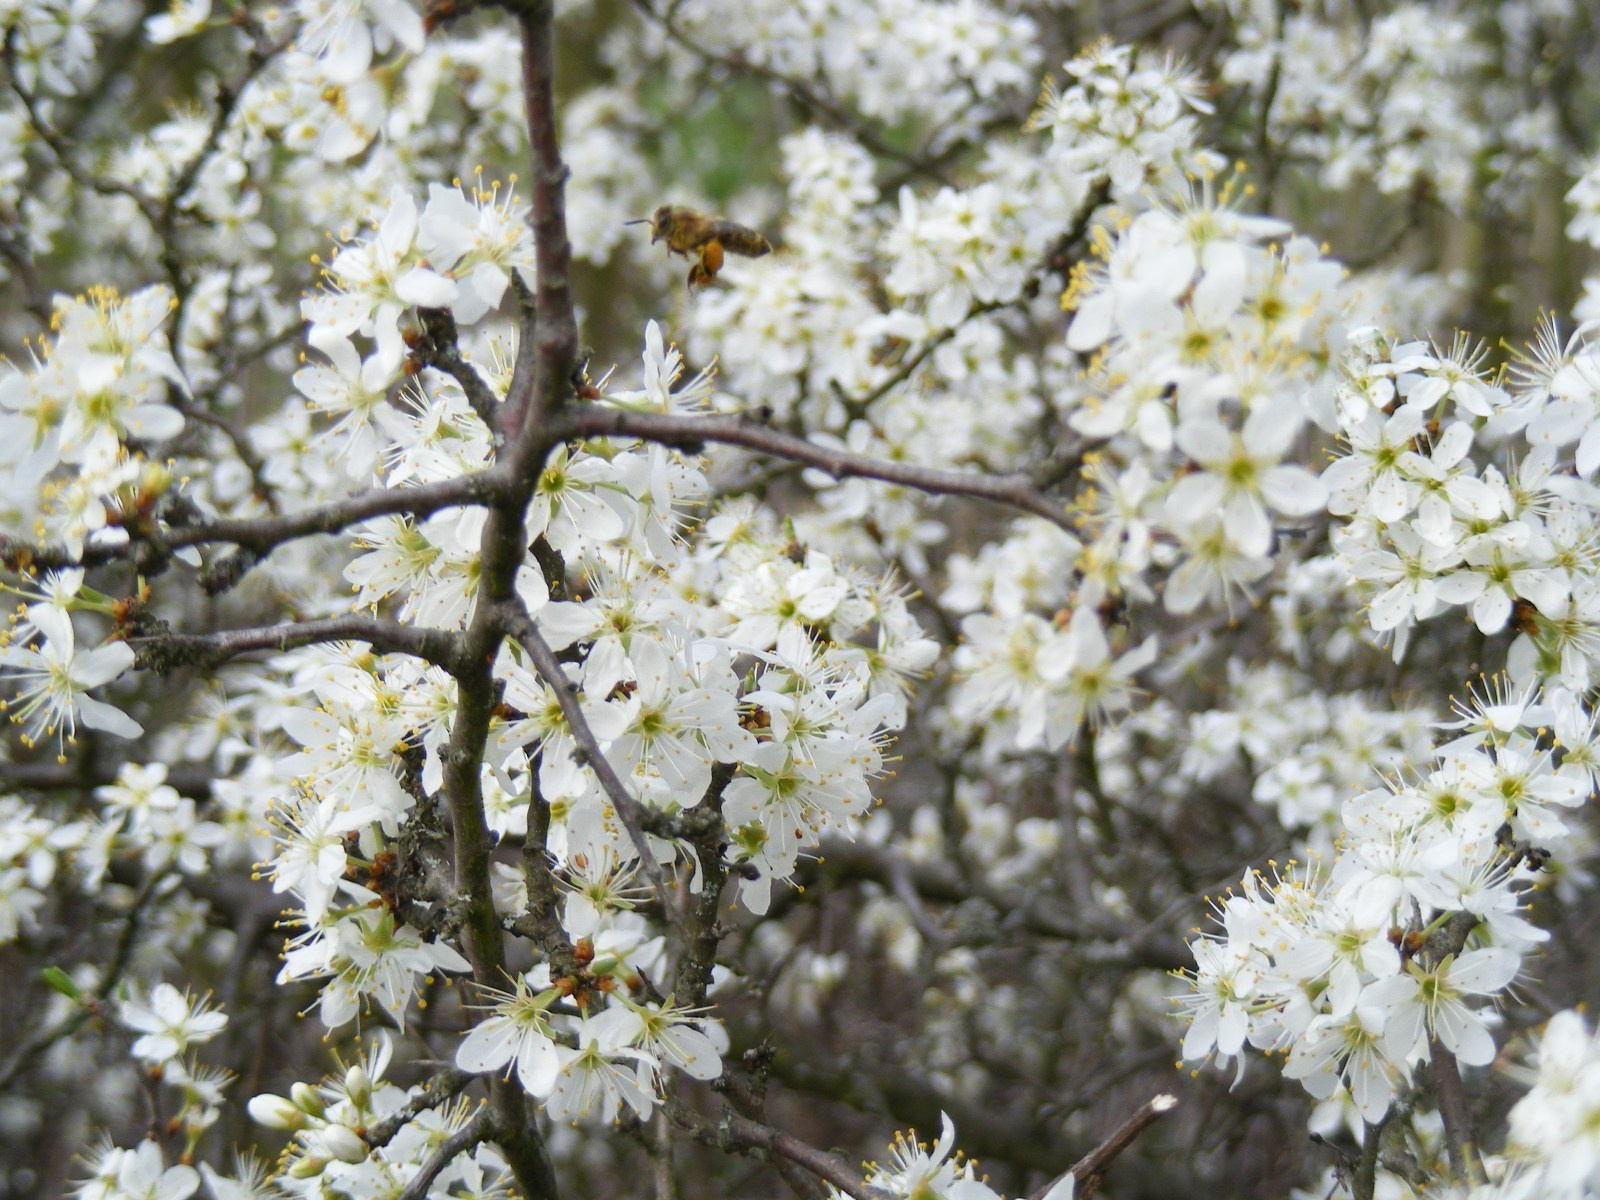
(660, 223)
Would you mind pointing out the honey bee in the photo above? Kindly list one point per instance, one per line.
(1525, 617)
(688, 231)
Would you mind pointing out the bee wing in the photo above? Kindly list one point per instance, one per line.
(741, 239)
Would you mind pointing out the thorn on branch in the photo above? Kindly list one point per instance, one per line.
(226, 571)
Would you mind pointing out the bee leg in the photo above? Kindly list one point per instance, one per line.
(706, 266)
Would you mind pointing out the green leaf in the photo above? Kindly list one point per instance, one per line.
(58, 979)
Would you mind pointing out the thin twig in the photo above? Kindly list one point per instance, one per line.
(237, 438)
(522, 628)
(1055, 260)
(803, 93)
(439, 1089)
(92, 1006)
(1091, 1168)
(857, 406)
(14, 250)
(731, 1132)
(171, 207)
(1271, 162)
(61, 147)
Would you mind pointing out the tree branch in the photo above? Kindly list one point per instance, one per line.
(705, 830)
(440, 349)
(469, 1135)
(1366, 1172)
(1014, 491)
(541, 920)
(554, 333)
(257, 536)
(264, 533)
(536, 389)
(165, 652)
(1466, 1162)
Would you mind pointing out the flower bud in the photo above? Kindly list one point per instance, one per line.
(358, 1086)
(345, 1143)
(307, 1099)
(275, 1112)
(307, 1168)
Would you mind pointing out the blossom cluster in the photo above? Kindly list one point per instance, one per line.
(1305, 750)
(51, 676)
(1133, 122)
(937, 62)
(137, 819)
(332, 1121)
(683, 826)
(810, 326)
(1342, 968)
(1552, 1128)
(593, 1065)
(1429, 524)
(1209, 355)
(456, 253)
(106, 379)
(1400, 99)
(652, 672)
